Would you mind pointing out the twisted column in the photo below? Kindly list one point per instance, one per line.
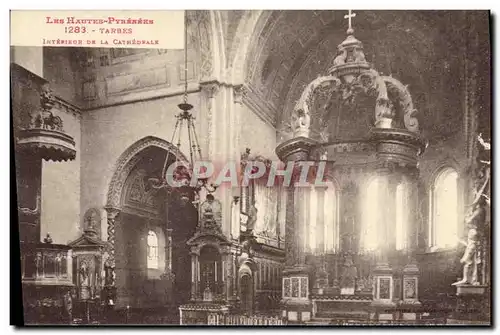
(110, 265)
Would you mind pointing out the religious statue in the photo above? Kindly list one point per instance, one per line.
(486, 145)
(348, 277)
(471, 259)
(207, 294)
(47, 239)
(364, 285)
(211, 212)
(410, 291)
(483, 173)
(341, 57)
(46, 118)
(301, 120)
(68, 305)
(321, 281)
(359, 55)
(476, 219)
(109, 274)
(252, 217)
(84, 281)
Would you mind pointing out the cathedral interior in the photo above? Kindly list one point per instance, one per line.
(396, 103)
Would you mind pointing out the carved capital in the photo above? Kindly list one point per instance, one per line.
(112, 213)
(210, 88)
(239, 93)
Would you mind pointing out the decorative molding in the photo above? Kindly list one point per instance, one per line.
(67, 107)
(127, 162)
(124, 83)
(125, 55)
(239, 93)
(142, 96)
(260, 106)
(210, 89)
(137, 194)
(205, 40)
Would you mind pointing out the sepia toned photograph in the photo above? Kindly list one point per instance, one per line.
(258, 168)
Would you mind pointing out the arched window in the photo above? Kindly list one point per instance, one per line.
(369, 231)
(330, 228)
(153, 255)
(443, 224)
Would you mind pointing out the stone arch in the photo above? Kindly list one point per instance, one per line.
(206, 29)
(209, 244)
(430, 169)
(443, 169)
(127, 161)
(218, 50)
(242, 50)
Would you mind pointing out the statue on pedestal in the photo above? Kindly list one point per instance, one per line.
(84, 281)
(471, 258)
(252, 218)
(476, 219)
(301, 121)
(348, 277)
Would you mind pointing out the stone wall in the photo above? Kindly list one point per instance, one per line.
(62, 216)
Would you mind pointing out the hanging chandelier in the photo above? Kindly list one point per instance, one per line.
(180, 178)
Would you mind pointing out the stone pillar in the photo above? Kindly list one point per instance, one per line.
(290, 230)
(110, 264)
(301, 221)
(296, 305)
(195, 276)
(385, 221)
(320, 218)
(168, 258)
(235, 219)
(228, 273)
(235, 133)
(383, 275)
(29, 170)
(397, 151)
(209, 112)
(222, 109)
(234, 277)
